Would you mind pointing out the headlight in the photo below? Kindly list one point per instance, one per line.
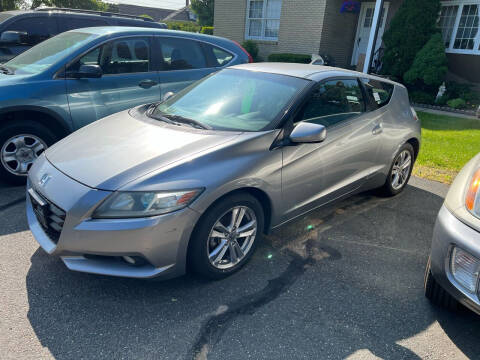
(472, 199)
(142, 204)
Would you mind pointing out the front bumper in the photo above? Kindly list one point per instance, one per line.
(99, 245)
(450, 232)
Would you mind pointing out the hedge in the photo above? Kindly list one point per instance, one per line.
(290, 58)
(207, 30)
(184, 26)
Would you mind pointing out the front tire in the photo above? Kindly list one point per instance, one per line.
(435, 293)
(226, 236)
(21, 142)
(400, 171)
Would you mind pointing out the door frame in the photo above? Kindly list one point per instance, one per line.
(361, 20)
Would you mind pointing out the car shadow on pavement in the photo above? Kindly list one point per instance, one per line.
(343, 279)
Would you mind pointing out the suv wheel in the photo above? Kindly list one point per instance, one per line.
(226, 236)
(21, 142)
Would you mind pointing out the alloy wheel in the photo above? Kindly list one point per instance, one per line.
(401, 170)
(232, 237)
(20, 151)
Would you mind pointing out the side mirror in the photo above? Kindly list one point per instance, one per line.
(87, 72)
(167, 96)
(13, 37)
(306, 132)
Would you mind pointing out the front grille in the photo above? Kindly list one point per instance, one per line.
(49, 216)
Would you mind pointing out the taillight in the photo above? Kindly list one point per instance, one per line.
(250, 58)
(414, 113)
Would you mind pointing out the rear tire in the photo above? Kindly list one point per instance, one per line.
(203, 244)
(10, 156)
(435, 293)
(391, 188)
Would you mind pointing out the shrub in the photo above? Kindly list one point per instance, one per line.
(422, 97)
(252, 49)
(430, 65)
(183, 26)
(464, 91)
(442, 100)
(207, 30)
(411, 28)
(458, 103)
(290, 58)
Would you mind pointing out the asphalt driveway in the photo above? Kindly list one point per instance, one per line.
(343, 282)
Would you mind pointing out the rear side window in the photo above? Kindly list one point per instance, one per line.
(71, 23)
(379, 92)
(38, 28)
(181, 54)
(121, 56)
(333, 102)
(218, 57)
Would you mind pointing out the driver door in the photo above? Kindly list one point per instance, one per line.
(315, 174)
(128, 80)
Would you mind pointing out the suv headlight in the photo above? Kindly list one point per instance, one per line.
(472, 199)
(133, 204)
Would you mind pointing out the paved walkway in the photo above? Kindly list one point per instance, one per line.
(446, 113)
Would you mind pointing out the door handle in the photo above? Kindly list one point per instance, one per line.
(146, 84)
(378, 129)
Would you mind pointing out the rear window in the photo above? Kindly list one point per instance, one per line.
(379, 92)
(219, 57)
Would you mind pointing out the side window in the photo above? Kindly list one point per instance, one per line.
(71, 23)
(38, 28)
(334, 101)
(181, 54)
(218, 57)
(121, 56)
(379, 92)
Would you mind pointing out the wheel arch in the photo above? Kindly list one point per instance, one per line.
(48, 118)
(257, 193)
(415, 144)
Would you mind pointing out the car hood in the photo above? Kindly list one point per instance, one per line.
(111, 152)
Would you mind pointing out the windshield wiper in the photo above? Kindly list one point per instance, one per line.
(184, 120)
(6, 70)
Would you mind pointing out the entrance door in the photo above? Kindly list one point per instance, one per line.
(363, 29)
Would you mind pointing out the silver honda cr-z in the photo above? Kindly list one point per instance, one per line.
(193, 181)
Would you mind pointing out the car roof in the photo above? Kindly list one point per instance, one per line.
(304, 71)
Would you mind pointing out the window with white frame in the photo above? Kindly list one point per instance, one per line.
(459, 22)
(263, 19)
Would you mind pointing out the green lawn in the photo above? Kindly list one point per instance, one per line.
(447, 144)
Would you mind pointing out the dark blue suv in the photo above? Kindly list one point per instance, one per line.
(82, 75)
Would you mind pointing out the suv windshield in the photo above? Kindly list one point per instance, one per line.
(233, 100)
(47, 53)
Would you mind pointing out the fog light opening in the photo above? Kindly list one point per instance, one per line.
(465, 269)
(134, 260)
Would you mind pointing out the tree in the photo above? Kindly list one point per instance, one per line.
(73, 4)
(6, 5)
(430, 66)
(411, 28)
(204, 11)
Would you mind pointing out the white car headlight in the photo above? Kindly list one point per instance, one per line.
(133, 204)
(472, 199)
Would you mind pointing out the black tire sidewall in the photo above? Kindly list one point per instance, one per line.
(387, 188)
(16, 128)
(198, 254)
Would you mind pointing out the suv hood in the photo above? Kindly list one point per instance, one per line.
(111, 152)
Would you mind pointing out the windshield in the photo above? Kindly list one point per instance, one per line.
(233, 100)
(47, 53)
(5, 15)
